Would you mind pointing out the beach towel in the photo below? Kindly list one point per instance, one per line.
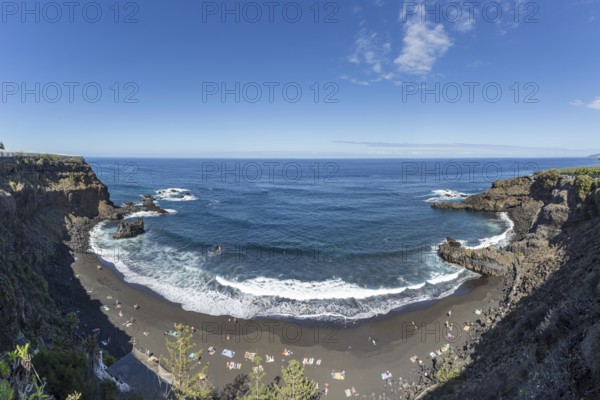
(339, 376)
(191, 356)
(466, 328)
(228, 353)
(249, 356)
(270, 359)
(233, 365)
(432, 354)
(348, 393)
(386, 376)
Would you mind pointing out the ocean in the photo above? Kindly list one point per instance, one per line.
(302, 239)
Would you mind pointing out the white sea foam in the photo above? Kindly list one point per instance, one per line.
(446, 195)
(149, 214)
(302, 291)
(444, 278)
(498, 240)
(175, 194)
(143, 214)
(178, 276)
(324, 290)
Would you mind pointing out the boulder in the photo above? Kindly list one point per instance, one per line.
(127, 230)
(149, 205)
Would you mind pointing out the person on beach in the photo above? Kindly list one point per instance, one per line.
(414, 325)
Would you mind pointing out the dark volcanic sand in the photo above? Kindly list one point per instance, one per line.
(339, 346)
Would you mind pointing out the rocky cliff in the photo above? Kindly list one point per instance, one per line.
(45, 203)
(543, 340)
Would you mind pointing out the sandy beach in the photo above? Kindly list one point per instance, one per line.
(363, 350)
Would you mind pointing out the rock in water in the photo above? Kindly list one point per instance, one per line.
(149, 205)
(127, 230)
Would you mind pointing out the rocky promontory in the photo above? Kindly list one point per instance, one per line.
(487, 261)
(543, 338)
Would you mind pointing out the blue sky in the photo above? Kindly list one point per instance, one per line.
(378, 78)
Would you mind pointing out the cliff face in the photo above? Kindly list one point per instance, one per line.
(544, 340)
(44, 203)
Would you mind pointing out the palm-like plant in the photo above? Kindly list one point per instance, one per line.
(91, 348)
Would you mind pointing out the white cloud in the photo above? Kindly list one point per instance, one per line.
(424, 43)
(370, 49)
(594, 105)
(464, 25)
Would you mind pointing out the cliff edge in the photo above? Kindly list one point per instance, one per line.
(45, 203)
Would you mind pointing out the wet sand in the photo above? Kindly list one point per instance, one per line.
(415, 330)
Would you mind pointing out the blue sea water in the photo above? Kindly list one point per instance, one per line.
(309, 239)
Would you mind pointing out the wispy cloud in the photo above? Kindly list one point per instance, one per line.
(464, 149)
(372, 50)
(594, 105)
(432, 145)
(424, 43)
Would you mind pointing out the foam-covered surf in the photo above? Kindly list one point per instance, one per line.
(180, 276)
(501, 239)
(149, 214)
(335, 289)
(446, 195)
(175, 194)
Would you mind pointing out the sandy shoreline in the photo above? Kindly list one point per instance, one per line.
(340, 347)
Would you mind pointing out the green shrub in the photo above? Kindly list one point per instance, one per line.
(549, 179)
(6, 391)
(107, 359)
(583, 185)
(581, 171)
(446, 367)
(108, 390)
(64, 371)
